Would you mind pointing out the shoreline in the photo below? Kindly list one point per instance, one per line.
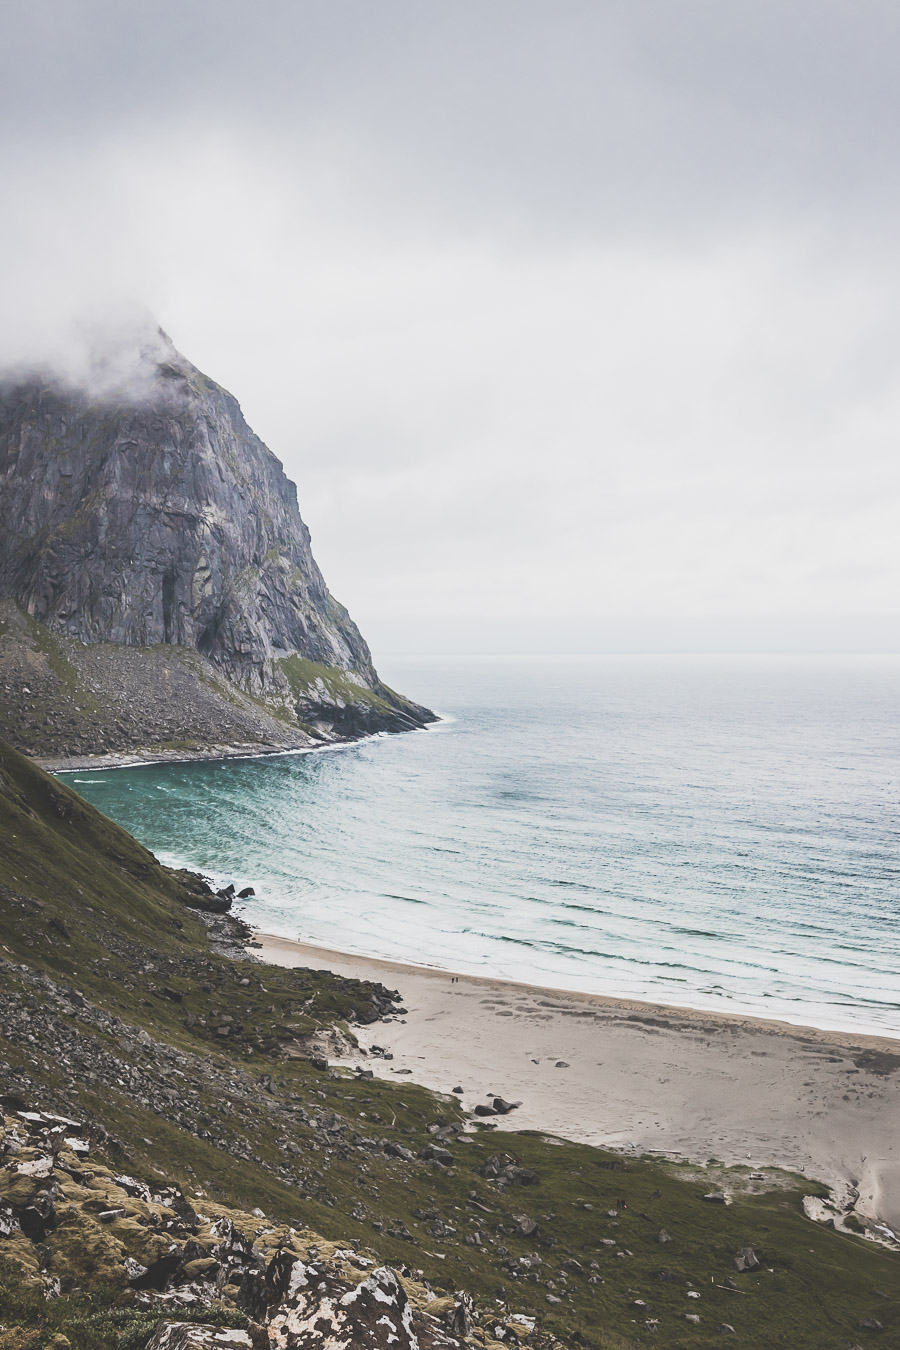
(136, 760)
(643, 1077)
(318, 953)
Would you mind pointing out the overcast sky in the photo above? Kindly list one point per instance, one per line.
(577, 324)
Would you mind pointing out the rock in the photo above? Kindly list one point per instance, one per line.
(191, 1336)
(561, 1064)
(246, 893)
(726, 1329)
(503, 1108)
(159, 1273)
(107, 1215)
(439, 1155)
(869, 1324)
(457, 1090)
(746, 1259)
(526, 1226)
(38, 1167)
(252, 1294)
(521, 1176)
(717, 1198)
(691, 1317)
(663, 1236)
(459, 1319)
(157, 536)
(398, 1151)
(482, 1110)
(316, 1308)
(38, 1219)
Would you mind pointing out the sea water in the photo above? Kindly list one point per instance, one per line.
(713, 832)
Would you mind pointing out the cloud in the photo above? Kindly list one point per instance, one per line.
(563, 318)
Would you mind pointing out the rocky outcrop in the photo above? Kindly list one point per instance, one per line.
(153, 521)
(70, 1222)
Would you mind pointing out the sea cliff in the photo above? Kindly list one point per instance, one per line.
(158, 589)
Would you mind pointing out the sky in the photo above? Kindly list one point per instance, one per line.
(577, 324)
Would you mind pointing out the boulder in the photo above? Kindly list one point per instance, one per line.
(38, 1219)
(459, 1319)
(746, 1259)
(320, 1310)
(521, 1176)
(434, 1154)
(191, 1336)
(398, 1151)
(158, 1275)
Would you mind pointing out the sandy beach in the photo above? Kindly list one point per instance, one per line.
(628, 1075)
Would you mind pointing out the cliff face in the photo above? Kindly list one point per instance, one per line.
(161, 519)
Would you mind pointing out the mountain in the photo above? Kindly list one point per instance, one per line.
(157, 585)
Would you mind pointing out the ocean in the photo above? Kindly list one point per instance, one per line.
(716, 832)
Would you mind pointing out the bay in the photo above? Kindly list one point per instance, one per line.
(716, 832)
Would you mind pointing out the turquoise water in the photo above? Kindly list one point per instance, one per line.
(719, 832)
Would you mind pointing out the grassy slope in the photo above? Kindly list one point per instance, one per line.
(61, 862)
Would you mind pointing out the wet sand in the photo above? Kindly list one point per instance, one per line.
(629, 1075)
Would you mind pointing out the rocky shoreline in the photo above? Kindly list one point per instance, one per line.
(212, 753)
(217, 1114)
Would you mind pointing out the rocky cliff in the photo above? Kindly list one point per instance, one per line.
(151, 541)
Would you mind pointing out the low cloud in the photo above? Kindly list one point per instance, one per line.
(108, 355)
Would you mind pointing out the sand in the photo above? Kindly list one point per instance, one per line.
(641, 1076)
